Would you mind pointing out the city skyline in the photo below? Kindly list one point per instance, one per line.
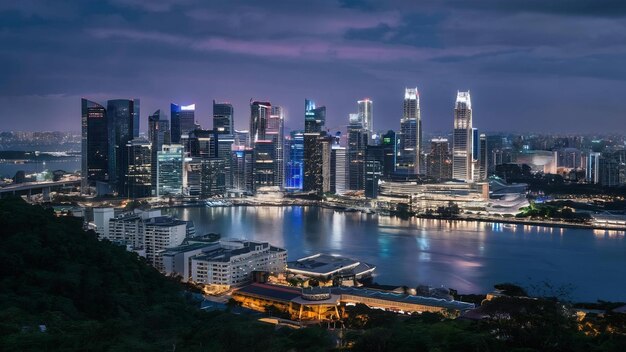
(169, 51)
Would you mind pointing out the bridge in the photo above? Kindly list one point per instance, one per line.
(44, 187)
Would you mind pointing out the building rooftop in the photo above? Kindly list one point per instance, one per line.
(325, 265)
(228, 249)
(271, 291)
(388, 296)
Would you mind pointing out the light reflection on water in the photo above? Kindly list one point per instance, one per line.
(466, 255)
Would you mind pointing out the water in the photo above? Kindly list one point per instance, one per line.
(69, 164)
(468, 256)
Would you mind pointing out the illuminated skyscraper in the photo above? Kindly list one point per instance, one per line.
(223, 118)
(357, 143)
(439, 165)
(314, 148)
(295, 160)
(183, 120)
(259, 114)
(170, 170)
(275, 132)
(410, 134)
(366, 114)
(94, 144)
(123, 126)
(462, 159)
(138, 178)
(158, 135)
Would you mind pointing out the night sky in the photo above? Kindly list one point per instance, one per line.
(531, 65)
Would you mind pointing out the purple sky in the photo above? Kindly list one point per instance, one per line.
(531, 65)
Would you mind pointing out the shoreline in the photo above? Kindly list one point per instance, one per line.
(321, 204)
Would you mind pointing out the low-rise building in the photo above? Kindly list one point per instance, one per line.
(233, 262)
(324, 304)
(329, 268)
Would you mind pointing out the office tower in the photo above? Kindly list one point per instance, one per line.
(183, 120)
(389, 146)
(139, 177)
(243, 170)
(294, 171)
(475, 155)
(94, 144)
(314, 121)
(223, 118)
(593, 167)
(259, 114)
(373, 173)
(357, 142)
(410, 134)
(192, 176)
(170, 170)
(314, 117)
(439, 164)
(225, 144)
(484, 158)
(213, 181)
(123, 126)
(264, 164)
(462, 138)
(327, 143)
(338, 165)
(158, 135)
(275, 132)
(242, 138)
(366, 114)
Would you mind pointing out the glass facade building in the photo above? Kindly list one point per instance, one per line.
(170, 170)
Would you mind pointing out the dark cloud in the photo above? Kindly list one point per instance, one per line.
(599, 8)
(551, 57)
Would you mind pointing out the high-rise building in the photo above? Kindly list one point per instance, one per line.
(410, 134)
(338, 176)
(259, 114)
(294, 171)
(139, 177)
(275, 132)
(366, 114)
(439, 164)
(243, 169)
(94, 144)
(462, 165)
(314, 117)
(158, 135)
(357, 142)
(593, 167)
(373, 173)
(242, 138)
(223, 118)
(213, 181)
(123, 126)
(264, 164)
(314, 121)
(170, 170)
(183, 120)
(484, 158)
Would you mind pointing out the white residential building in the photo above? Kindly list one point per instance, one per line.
(232, 262)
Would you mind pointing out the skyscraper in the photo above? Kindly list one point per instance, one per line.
(439, 165)
(338, 168)
(259, 114)
(170, 170)
(158, 135)
(410, 134)
(123, 126)
(314, 121)
(139, 175)
(294, 171)
(275, 132)
(357, 142)
(223, 118)
(484, 158)
(366, 114)
(183, 120)
(314, 117)
(94, 144)
(462, 166)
